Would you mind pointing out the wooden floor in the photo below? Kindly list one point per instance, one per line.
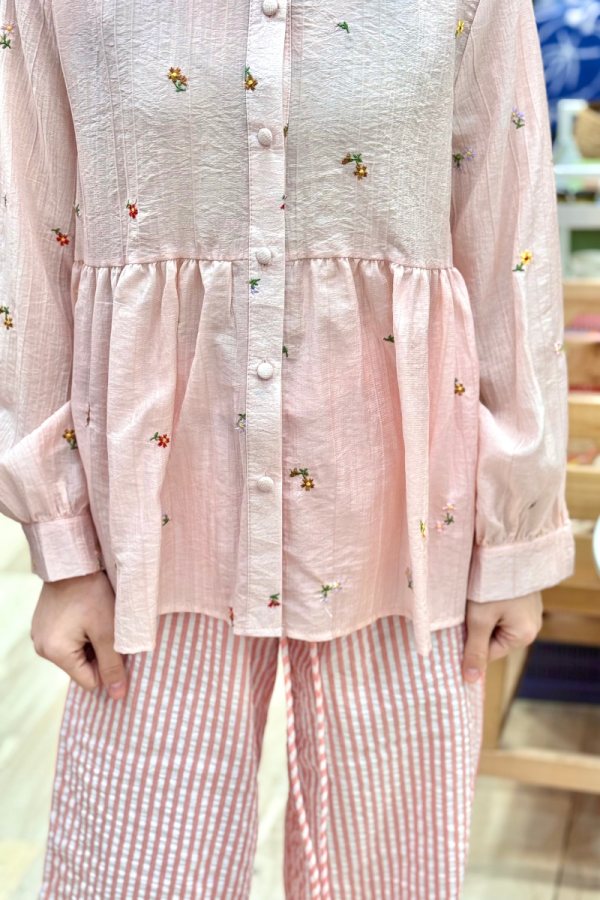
(527, 843)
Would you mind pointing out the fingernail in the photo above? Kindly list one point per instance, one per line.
(116, 688)
(472, 675)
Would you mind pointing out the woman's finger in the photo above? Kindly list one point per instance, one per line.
(479, 632)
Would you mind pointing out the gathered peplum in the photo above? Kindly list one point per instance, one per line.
(283, 326)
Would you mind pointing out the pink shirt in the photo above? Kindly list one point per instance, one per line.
(282, 296)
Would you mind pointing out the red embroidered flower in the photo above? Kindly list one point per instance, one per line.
(133, 210)
(161, 439)
(63, 239)
(231, 614)
(274, 600)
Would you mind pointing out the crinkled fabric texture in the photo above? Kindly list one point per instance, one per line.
(165, 235)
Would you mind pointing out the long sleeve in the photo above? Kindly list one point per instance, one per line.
(505, 244)
(42, 481)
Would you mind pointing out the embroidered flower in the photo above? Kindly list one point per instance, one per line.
(180, 81)
(5, 198)
(8, 322)
(439, 525)
(77, 210)
(165, 518)
(249, 80)
(459, 28)
(390, 338)
(307, 482)
(89, 412)
(327, 589)
(526, 257)
(161, 439)
(283, 204)
(63, 239)
(459, 158)
(517, 117)
(285, 130)
(459, 387)
(254, 285)
(423, 528)
(284, 349)
(558, 347)
(343, 26)
(133, 210)
(241, 422)
(449, 509)
(274, 600)
(409, 577)
(360, 168)
(69, 436)
(8, 29)
(231, 614)
(99, 555)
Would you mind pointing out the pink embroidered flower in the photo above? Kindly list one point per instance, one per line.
(439, 525)
(449, 509)
(8, 30)
(558, 347)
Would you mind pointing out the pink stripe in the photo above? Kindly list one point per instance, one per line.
(155, 823)
(361, 757)
(379, 651)
(202, 651)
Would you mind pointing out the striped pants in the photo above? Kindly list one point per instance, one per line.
(155, 797)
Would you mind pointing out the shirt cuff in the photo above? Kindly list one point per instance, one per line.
(63, 548)
(513, 570)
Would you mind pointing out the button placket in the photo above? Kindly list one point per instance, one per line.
(264, 107)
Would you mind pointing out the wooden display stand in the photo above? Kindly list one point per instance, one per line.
(571, 610)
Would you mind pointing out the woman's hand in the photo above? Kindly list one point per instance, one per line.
(73, 627)
(494, 629)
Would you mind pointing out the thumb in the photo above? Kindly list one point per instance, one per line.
(111, 666)
(477, 646)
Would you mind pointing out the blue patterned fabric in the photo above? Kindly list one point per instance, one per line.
(570, 36)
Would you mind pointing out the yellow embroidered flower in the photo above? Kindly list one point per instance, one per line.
(423, 528)
(180, 81)
(69, 436)
(249, 80)
(459, 28)
(459, 387)
(526, 257)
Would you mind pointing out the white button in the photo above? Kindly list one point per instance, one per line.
(270, 7)
(265, 370)
(265, 137)
(266, 484)
(264, 255)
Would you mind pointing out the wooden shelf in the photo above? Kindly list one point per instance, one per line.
(581, 295)
(584, 415)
